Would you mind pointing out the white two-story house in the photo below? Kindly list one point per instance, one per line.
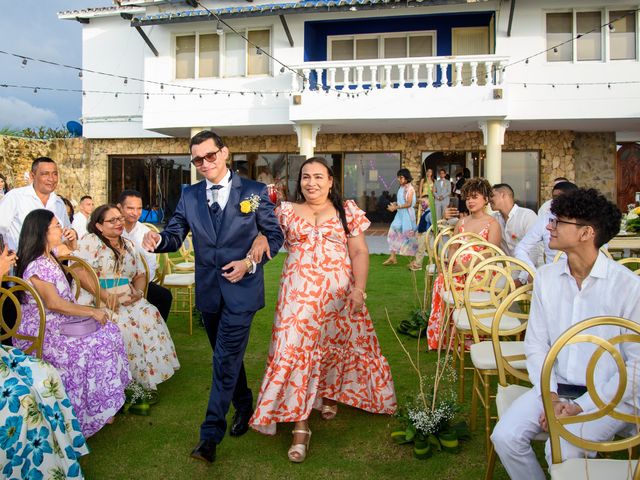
(519, 91)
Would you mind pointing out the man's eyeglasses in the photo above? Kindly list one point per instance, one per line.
(115, 220)
(554, 223)
(209, 157)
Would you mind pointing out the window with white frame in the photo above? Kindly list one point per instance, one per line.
(622, 35)
(579, 35)
(206, 55)
(379, 46)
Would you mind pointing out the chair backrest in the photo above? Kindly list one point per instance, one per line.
(81, 270)
(469, 253)
(451, 245)
(429, 238)
(441, 238)
(588, 332)
(151, 226)
(632, 263)
(513, 302)
(186, 249)
(497, 277)
(561, 253)
(19, 287)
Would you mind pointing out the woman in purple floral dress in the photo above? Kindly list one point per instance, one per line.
(90, 355)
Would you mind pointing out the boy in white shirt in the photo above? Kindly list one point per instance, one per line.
(579, 286)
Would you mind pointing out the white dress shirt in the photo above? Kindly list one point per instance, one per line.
(545, 208)
(518, 223)
(79, 224)
(18, 203)
(529, 244)
(136, 235)
(223, 193)
(558, 303)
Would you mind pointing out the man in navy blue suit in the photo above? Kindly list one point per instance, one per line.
(225, 213)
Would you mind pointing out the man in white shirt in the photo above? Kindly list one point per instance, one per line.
(546, 206)
(515, 221)
(130, 204)
(19, 202)
(85, 208)
(583, 285)
(441, 192)
(539, 233)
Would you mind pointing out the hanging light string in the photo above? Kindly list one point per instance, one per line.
(204, 90)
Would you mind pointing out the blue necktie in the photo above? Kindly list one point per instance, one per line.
(214, 208)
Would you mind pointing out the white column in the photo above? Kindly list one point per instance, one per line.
(493, 133)
(307, 133)
(194, 172)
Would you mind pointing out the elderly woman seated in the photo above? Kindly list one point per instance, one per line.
(152, 356)
(80, 341)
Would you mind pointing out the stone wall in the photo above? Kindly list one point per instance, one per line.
(595, 155)
(588, 158)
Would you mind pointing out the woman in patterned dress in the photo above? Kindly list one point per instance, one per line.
(324, 348)
(93, 366)
(152, 356)
(476, 193)
(402, 231)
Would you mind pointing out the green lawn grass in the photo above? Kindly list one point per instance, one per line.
(354, 445)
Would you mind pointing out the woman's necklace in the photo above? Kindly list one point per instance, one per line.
(317, 211)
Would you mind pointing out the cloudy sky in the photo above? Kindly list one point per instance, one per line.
(31, 28)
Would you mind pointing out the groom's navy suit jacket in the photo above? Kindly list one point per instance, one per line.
(232, 241)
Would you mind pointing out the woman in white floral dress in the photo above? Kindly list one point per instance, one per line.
(152, 355)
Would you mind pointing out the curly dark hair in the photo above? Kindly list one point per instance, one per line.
(476, 185)
(591, 207)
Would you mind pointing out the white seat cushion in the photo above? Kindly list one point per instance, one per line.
(509, 394)
(185, 266)
(483, 357)
(600, 468)
(179, 280)
(461, 320)
(431, 268)
(475, 297)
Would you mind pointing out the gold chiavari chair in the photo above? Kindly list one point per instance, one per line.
(183, 284)
(186, 261)
(632, 263)
(440, 239)
(152, 227)
(498, 276)
(509, 364)
(83, 275)
(468, 254)
(18, 287)
(585, 332)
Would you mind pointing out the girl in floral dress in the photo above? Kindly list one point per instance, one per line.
(402, 231)
(152, 356)
(476, 193)
(93, 365)
(323, 346)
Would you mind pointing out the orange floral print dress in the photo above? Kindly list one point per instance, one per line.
(437, 303)
(318, 350)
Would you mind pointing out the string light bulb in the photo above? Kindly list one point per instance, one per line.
(24, 62)
(80, 74)
(612, 27)
(219, 30)
(126, 80)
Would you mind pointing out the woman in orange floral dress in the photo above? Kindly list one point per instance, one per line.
(476, 193)
(324, 348)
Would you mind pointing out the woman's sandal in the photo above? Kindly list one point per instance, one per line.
(329, 412)
(298, 451)
(389, 261)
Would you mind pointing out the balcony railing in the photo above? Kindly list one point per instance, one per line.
(401, 73)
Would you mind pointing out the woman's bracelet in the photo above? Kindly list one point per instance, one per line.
(364, 294)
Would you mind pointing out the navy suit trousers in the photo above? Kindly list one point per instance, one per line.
(228, 334)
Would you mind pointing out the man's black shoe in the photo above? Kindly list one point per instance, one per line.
(205, 450)
(240, 424)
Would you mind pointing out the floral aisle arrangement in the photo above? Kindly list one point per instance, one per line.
(631, 221)
(138, 400)
(431, 418)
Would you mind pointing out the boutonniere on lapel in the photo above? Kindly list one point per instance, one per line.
(250, 204)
